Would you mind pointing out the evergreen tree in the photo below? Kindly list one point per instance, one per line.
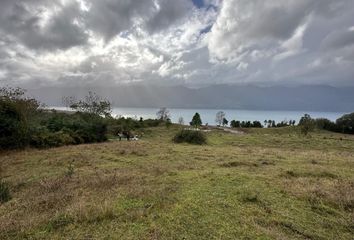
(225, 122)
(196, 120)
(235, 124)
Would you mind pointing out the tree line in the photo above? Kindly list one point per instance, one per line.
(221, 120)
(344, 124)
(24, 121)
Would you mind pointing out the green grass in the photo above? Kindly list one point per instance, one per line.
(265, 184)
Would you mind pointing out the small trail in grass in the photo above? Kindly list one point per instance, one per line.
(233, 131)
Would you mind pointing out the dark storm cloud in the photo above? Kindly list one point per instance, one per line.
(168, 13)
(110, 17)
(339, 39)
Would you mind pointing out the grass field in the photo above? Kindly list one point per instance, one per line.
(265, 184)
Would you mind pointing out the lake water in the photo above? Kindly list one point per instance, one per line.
(208, 115)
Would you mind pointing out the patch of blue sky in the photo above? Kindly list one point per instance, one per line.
(198, 3)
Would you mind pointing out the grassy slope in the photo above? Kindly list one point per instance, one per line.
(267, 184)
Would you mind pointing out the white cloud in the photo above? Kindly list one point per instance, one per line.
(293, 45)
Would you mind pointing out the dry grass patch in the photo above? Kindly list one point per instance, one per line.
(236, 186)
(336, 192)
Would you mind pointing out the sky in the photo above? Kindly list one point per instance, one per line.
(176, 42)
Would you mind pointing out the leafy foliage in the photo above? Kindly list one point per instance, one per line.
(345, 124)
(43, 138)
(190, 136)
(245, 124)
(16, 110)
(13, 126)
(323, 123)
(22, 123)
(307, 124)
(92, 103)
(235, 124)
(64, 129)
(225, 122)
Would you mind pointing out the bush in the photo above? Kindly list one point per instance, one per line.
(152, 122)
(91, 128)
(307, 124)
(345, 123)
(190, 136)
(63, 129)
(4, 192)
(13, 126)
(42, 138)
(16, 110)
(323, 123)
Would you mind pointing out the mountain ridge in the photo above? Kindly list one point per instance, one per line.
(305, 97)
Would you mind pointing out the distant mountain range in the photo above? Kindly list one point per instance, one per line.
(306, 98)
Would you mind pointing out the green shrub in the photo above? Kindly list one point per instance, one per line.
(152, 122)
(4, 192)
(63, 129)
(323, 123)
(22, 123)
(345, 124)
(42, 138)
(307, 124)
(190, 136)
(13, 126)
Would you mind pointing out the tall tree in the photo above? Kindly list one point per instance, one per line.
(269, 123)
(225, 122)
(163, 114)
(307, 124)
(92, 103)
(180, 121)
(220, 117)
(235, 124)
(196, 120)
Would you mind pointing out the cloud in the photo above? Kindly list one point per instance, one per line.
(244, 26)
(100, 42)
(339, 39)
(168, 13)
(293, 45)
(108, 18)
(42, 24)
